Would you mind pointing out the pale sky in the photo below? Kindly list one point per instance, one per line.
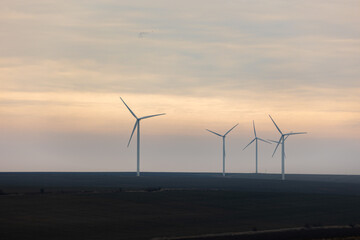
(207, 64)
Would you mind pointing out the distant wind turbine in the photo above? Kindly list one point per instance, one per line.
(137, 125)
(256, 148)
(223, 138)
(281, 141)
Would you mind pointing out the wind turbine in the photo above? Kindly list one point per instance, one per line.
(137, 125)
(270, 140)
(256, 149)
(281, 141)
(223, 138)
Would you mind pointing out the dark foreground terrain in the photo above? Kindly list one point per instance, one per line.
(167, 205)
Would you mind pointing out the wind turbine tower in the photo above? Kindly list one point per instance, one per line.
(256, 147)
(281, 141)
(223, 140)
(137, 125)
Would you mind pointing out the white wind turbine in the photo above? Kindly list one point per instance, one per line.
(281, 141)
(256, 148)
(137, 125)
(270, 140)
(223, 138)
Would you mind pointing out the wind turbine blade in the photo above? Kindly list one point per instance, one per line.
(275, 125)
(150, 116)
(249, 143)
(214, 133)
(128, 108)
(132, 133)
(254, 128)
(264, 140)
(277, 145)
(230, 129)
(272, 141)
(288, 134)
(286, 137)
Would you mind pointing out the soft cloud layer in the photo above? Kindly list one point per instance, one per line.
(207, 64)
(103, 112)
(94, 46)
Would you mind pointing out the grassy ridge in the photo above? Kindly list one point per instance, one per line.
(328, 184)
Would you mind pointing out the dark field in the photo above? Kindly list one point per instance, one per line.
(122, 206)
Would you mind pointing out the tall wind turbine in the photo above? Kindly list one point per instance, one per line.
(281, 141)
(270, 140)
(137, 125)
(223, 138)
(256, 148)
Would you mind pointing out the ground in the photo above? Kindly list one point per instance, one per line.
(123, 206)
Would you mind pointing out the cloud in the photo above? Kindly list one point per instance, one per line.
(210, 64)
(323, 113)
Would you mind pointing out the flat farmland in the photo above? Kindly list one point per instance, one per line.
(122, 206)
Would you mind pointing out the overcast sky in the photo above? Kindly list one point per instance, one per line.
(207, 64)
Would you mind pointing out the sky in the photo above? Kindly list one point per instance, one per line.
(206, 64)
